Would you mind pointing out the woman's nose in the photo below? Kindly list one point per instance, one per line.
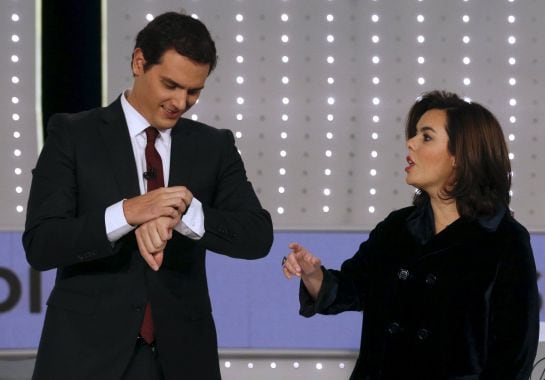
(410, 143)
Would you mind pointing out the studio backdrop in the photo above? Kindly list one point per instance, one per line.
(316, 93)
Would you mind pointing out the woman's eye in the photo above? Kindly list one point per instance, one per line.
(427, 137)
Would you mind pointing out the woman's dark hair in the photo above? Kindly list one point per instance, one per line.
(171, 30)
(482, 173)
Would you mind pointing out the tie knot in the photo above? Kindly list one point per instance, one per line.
(151, 134)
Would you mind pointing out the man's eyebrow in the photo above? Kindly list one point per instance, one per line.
(173, 82)
(170, 81)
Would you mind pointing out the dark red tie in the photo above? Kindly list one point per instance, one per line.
(155, 179)
(154, 165)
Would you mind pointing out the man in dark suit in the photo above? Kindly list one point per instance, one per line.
(130, 299)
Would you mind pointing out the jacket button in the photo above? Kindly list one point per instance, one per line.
(394, 328)
(422, 334)
(403, 274)
(431, 279)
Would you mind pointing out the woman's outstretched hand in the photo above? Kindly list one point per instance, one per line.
(300, 262)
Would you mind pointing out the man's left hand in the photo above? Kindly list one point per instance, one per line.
(152, 238)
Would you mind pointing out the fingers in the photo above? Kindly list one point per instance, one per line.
(309, 259)
(186, 198)
(171, 222)
(158, 257)
(291, 267)
(287, 273)
(310, 264)
(292, 264)
(165, 201)
(152, 238)
(148, 257)
(299, 251)
(300, 262)
(295, 247)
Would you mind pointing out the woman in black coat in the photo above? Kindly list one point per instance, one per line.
(448, 286)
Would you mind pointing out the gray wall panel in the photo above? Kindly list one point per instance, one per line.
(364, 136)
(18, 136)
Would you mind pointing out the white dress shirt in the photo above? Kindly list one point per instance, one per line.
(192, 223)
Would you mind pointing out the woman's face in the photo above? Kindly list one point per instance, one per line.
(431, 165)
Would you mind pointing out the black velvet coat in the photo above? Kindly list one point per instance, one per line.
(462, 304)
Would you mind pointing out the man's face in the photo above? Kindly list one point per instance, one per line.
(168, 89)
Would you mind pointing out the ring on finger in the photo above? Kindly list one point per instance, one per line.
(284, 259)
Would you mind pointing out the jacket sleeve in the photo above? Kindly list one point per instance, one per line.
(235, 223)
(514, 317)
(56, 234)
(345, 289)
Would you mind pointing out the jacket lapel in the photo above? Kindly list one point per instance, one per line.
(116, 139)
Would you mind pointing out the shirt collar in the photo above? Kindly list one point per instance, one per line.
(135, 121)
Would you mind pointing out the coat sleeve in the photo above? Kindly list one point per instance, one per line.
(56, 234)
(345, 289)
(235, 223)
(514, 317)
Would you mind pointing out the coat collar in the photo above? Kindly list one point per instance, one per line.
(421, 223)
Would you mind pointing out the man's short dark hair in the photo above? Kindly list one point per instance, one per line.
(183, 33)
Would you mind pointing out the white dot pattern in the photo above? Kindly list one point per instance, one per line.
(318, 95)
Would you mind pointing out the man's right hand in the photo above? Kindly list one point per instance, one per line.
(165, 201)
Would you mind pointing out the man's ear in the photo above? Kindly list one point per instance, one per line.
(138, 62)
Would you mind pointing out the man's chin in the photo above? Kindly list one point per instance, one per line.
(167, 124)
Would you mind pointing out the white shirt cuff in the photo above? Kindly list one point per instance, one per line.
(116, 223)
(192, 223)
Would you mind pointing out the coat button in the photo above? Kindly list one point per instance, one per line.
(422, 334)
(403, 274)
(394, 328)
(431, 279)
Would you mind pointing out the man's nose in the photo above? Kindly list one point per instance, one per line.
(180, 100)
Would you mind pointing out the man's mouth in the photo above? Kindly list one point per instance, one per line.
(172, 113)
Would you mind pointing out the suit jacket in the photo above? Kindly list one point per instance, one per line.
(97, 304)
(461, 304)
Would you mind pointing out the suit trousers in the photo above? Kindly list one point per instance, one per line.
(144, 363)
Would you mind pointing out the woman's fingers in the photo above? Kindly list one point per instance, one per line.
(291, 267)
(299, 262)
